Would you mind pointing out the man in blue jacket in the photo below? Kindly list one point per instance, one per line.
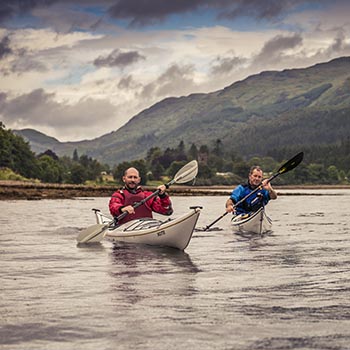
(257, 199)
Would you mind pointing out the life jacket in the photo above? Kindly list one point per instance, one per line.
(143, 211)
(253, 202)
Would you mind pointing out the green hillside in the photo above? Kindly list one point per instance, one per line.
(39, 142)
(300, 107)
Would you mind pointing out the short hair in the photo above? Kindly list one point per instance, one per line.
(254, 167)
(131, 168)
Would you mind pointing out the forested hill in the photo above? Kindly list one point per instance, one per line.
(268, 111)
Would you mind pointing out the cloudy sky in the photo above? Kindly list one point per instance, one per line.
(77, 69)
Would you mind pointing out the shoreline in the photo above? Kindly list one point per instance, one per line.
(12, 190)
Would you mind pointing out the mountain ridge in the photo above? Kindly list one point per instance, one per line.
(277, 108)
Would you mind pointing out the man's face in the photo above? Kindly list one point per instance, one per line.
(131, 178)
(255, 178)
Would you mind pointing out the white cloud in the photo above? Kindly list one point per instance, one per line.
(77, 99)
(39, 109)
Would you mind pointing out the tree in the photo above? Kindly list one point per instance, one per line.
(49, 153)
(78, 173)
(333, 175)
(299, 175)
(75, 155)
(203, 154)
(268, 164)
(180, 152)
(168, 157)
(15, 153)
(317, 173)
(205, 171)
(218, 148)
(153, 155)
(157, 171)
(193, 152)
(175, 166)
(50, 170)
(241, 168)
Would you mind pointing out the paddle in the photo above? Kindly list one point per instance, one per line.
(96, 233)
(291, 164)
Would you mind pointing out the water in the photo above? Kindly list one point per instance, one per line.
(286, 290)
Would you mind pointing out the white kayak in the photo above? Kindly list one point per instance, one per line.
(255, 222)
(174, 233)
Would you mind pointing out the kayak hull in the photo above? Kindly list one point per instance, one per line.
(257, 222)
(175, 233)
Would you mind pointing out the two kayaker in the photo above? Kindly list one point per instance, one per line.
(123, 199)
(257, 199)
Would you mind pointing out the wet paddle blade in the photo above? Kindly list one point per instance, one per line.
(291, 164)
(94, 233)
(187, 173)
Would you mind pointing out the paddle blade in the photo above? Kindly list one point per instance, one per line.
(291, 164)
(187, 173)
(94, 233)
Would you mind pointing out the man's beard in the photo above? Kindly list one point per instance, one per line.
(131, 189)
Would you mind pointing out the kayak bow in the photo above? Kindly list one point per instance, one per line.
(255, 222)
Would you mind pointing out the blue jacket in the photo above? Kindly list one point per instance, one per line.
(253, 202)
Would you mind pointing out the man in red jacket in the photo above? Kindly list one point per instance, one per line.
(123, 199)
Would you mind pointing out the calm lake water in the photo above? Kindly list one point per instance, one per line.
(286, 290)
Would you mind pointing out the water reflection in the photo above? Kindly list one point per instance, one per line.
(249, 236)
(289, 289)
(93, 247)
(150, 287)
(139, 256)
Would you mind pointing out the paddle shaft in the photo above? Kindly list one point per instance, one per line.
(137, 204)
(143, 201)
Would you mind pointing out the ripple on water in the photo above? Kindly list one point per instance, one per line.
(288, 289)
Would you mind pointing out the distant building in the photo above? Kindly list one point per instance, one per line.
(106, 177)
(227, 174)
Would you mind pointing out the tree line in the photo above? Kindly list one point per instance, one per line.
(16, 154)
(323, 164)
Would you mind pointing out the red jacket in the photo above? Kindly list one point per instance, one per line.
(123, 197)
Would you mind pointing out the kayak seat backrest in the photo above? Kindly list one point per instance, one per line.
(142, 224)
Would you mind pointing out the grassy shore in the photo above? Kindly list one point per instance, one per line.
(33, 191)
